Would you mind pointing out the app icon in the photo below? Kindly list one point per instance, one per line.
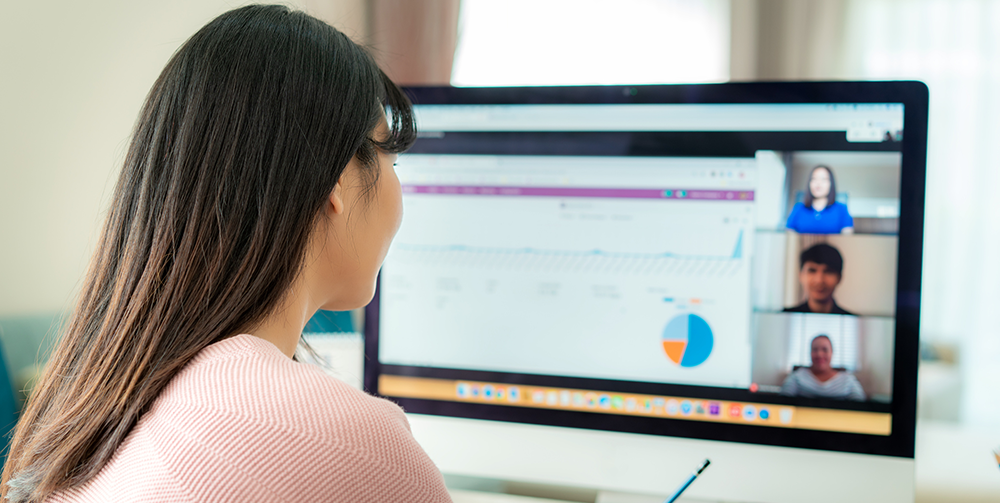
(672, 407)
(591, 399)
(501, 393)
(617, 402)
(735, 410)
(658, 404)
(604, 401)
(462, 390)
(488, 392)
(474, 391)
(749, 413)
(714, 408)
(538, 396)
(630, 404)
(513, 394)
(764, 414)
(647, 405)
(785, 415)
(552, 397)
(578, 399)
(565, 397)
(686, 407)
(699, 408)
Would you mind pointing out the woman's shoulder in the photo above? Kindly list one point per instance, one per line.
(798, 208)
(801, 372)
(797, 377)
(249, 377)
(847, 377)
(267, 428)
(804, 376)
(795, 216)
(839, 208)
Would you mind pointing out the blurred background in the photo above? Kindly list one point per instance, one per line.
(73, 76)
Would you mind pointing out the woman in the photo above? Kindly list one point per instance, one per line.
(819, 212)
(821, 380)
(257, 189)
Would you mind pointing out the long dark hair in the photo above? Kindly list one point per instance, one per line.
(236, 150)
(830, 198)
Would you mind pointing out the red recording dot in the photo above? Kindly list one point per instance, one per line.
(753, 388)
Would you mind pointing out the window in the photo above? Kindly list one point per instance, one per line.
(954, 47)
(567, 42)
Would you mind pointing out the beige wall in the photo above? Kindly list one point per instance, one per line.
(878, 343)
(858, 174)
(72, 78)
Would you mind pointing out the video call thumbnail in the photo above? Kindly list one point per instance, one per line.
(825, 281)
(842, 192)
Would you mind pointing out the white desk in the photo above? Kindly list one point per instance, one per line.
(954, 464)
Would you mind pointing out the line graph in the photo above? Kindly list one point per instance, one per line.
(574, 261)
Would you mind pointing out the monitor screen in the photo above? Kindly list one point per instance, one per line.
(717, 270)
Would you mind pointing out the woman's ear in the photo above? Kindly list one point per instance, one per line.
(337, 197)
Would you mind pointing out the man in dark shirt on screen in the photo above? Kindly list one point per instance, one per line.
(820, 269)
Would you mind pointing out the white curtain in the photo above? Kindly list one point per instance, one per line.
(954, 47)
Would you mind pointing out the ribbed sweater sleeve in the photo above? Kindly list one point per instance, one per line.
(243, 422)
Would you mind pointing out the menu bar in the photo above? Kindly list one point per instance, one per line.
(863, 120)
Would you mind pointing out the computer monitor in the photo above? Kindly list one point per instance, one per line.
(602, 286)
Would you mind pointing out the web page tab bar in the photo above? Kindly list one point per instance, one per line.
(661, 117)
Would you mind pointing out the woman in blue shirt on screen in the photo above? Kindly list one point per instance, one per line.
(820, 213)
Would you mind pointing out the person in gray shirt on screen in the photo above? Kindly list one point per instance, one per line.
(820, 380)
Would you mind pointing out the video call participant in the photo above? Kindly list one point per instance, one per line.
(820, 380)
(820, 269)
(819, 212)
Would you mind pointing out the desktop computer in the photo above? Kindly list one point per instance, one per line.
(602, 286)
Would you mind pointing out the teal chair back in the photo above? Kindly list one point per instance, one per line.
(8, 407)
(24, 339)
(330, 321)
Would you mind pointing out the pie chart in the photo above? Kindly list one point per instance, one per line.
(687, 340)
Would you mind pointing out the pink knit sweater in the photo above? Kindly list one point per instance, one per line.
(243, 422)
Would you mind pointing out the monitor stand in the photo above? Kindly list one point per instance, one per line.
(465, 496)
(480, 490)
